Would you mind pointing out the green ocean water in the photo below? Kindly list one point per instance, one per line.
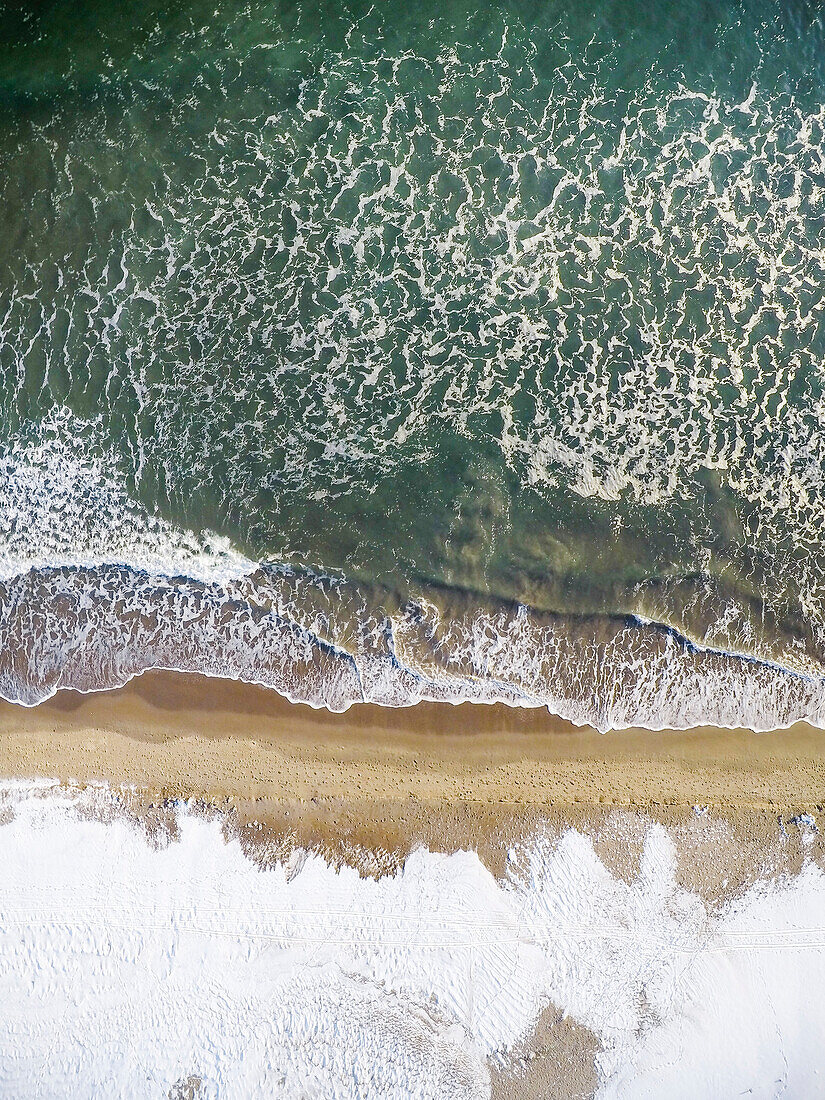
(451, 311)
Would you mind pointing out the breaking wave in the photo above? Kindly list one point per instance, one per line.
(328, 642)
(420, 357)
(93, 592)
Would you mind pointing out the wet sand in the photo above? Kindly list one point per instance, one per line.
(183, 735)
(369, 785)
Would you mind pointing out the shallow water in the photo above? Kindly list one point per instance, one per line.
(474, 340)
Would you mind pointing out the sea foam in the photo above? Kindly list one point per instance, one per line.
(332, 643)
(488, 263)
(64, 502)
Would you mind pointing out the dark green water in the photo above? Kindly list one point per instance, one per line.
(489, 316)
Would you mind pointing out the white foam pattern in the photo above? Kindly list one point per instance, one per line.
(64, 502)
(369, 248)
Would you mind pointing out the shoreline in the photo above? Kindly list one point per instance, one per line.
(371, 784)
(290, 634)
(181, 734)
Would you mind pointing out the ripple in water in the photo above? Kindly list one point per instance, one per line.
(494, 336)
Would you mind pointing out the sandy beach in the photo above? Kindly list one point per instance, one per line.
(369, 786)
(379, 781)
(189, 735)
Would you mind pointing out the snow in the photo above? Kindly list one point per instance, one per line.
(748, 1017)
(127, 967)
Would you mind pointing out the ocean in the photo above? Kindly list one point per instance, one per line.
(397, 352)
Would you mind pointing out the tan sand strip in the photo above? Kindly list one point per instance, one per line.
(191, 735)
(369, 785)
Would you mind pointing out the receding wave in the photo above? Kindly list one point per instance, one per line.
(94, 591)
(331, 643)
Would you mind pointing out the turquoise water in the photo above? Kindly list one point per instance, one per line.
(447, 352)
